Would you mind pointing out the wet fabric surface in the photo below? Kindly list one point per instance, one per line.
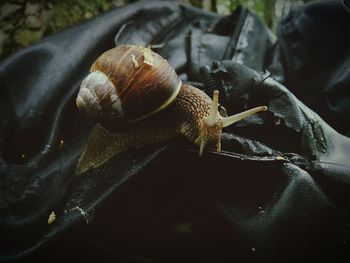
(279, 190)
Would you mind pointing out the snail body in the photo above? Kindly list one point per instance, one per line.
(137, 98)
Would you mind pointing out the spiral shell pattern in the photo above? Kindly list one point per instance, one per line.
(128, 83)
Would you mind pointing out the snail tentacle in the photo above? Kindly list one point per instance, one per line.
(242, 115)
(211, 119)
(210, 128)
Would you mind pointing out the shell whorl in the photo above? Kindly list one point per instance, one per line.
(143, 82)
(97, 97)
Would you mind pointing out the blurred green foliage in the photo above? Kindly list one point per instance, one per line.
(270, 11)
(24, 22)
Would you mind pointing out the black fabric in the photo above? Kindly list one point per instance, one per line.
(315, 48)
(279, 191)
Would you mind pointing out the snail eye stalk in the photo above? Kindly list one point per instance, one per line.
(240, 116)
(211, 119)
(211, 129)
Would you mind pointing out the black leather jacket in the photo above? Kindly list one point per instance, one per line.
(279, 190)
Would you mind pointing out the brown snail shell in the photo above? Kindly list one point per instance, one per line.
(126, 84)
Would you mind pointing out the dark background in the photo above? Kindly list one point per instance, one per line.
(24, 22)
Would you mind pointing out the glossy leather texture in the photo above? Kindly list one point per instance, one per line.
(278, 192)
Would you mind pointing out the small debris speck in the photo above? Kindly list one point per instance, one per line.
(155, 46)
(184, 228)
(253, 249)
(52, 217)
(23, 155)
(147, 57)
(261, 210)
(278, 121)
(134, 61)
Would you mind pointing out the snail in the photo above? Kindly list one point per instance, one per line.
(137, 98)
